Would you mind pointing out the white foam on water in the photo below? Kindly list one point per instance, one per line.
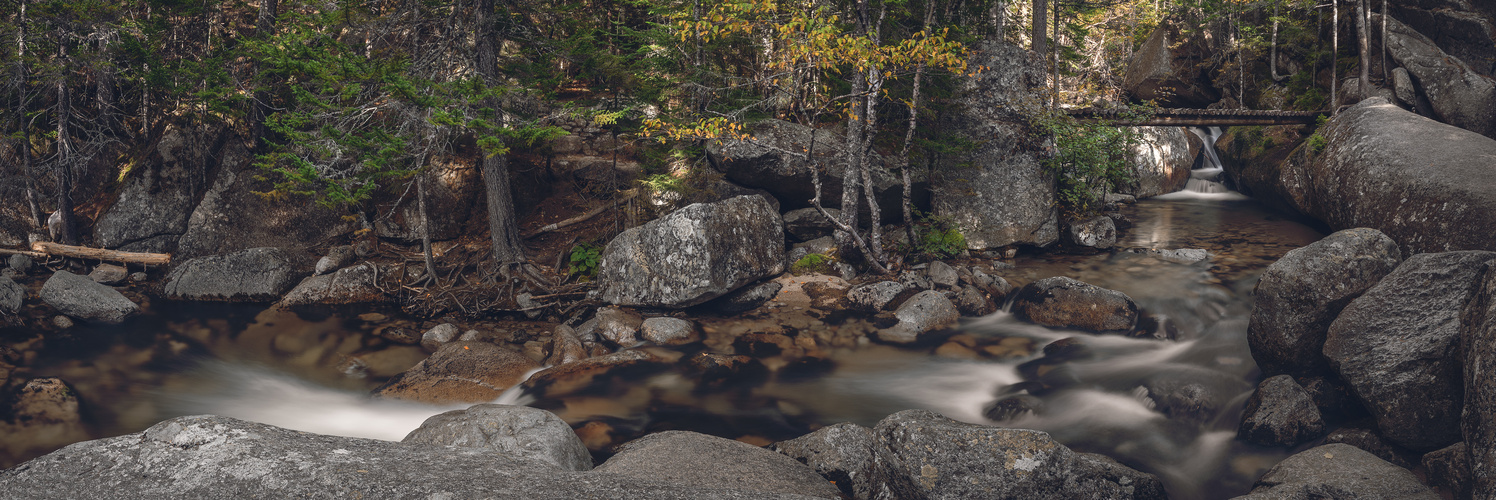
(259, 394)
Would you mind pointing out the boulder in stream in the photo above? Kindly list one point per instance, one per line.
(1301, 294)
(350, 285)
(11, 295)
(517, 431)
(255, 275)
(1063, 302)
(1280, 413)
(82, 298)
(694, 254)
(1161, 160)
(923, 313)
(1397, 346)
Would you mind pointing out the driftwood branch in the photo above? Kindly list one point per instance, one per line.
(590, 214)
(77, 252)
(7, 251)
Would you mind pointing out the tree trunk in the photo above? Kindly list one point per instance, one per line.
(1363, 36)
(999, 18)
(425, 228)
(1386, 73)
(904, 174)
(1041, 7)
(1334, 54)
(260, 108)
(69, 230)
(1273, 51)
(502, 229)
(37, 218)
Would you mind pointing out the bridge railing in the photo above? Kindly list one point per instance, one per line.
(1181, 117)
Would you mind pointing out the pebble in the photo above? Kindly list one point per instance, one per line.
(63, 322)
(372, 317)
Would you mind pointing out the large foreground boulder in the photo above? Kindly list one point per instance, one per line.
(518, 431)
(1300, 294)
(254, 275)
(852, 457)
(691, 458)
(996, 191)
(217, 457)
(1425, 184)
(1338, 471)
(694, 254)
(83, 298)
(1398, 347)
(1478, 420)
(956, 460)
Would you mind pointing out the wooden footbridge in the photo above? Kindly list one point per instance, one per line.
(1181, 117)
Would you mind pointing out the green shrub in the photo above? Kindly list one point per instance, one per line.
(812, 263)
(584, 260)
(1090, 159)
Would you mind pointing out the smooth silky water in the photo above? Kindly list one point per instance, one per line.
(1168, 405)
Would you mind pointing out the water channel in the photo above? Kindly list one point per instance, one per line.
(1168, 405)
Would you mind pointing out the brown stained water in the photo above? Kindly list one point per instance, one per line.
(292, 370)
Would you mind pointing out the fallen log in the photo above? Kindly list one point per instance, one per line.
(7, 251)
(77, 252)
(590, 214)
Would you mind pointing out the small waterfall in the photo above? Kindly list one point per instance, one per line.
(1208, 181)
(1209, 137)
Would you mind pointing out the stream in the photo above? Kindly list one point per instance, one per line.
(1167, 405)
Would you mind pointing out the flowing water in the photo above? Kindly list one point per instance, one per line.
(1166, 404)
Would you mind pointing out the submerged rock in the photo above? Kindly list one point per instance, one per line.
(84, 299)
(460, 372)
(1097, 233)
(697, 460)
(1398, 347)
(255, 275)
(618, 327)
(1338, 471)
(1068, 303)
(747, 298)
(669, 331)
(517, 431)
(693, 255)
(1300, 294)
